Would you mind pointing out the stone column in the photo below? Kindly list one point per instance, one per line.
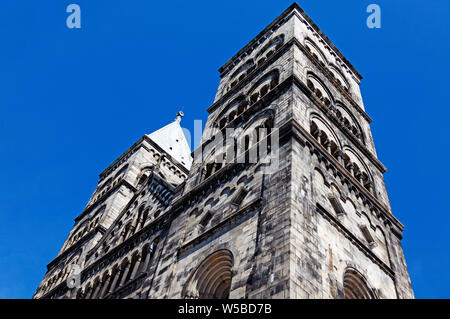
(135, 222)
(341, 158)
(350, 168)
(147, 258)
(96, 290)
(105, 287)
(114, 283)
(327, 145)
(122, 236)
(125, 274)
(136, 267)
(89, 293)
(140, 222)
(319, 136)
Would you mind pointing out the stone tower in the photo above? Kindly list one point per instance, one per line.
(285, 197)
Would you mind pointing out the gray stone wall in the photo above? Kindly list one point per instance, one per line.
(292, 232)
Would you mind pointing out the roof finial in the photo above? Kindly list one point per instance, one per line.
(180, 114)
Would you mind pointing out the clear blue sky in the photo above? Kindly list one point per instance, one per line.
(73, 100)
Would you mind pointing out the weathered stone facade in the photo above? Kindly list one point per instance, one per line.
(318, 224)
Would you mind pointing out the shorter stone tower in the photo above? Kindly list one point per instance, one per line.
(111, 248)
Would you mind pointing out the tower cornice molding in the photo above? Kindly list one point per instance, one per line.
(286, 83)
(327, 73)
(72, 248)
(296, 10)
(95, 204)
(223, 99)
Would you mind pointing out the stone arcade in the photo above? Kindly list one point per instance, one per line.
(162, 224)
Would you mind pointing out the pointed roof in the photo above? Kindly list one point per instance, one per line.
(172, 140)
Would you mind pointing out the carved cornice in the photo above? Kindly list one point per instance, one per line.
(122, 158)
(327, 73)
(256, 41)
(274, 25)
(248, 77)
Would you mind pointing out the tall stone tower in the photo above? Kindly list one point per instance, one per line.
(285, 197)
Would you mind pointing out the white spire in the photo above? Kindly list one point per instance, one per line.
(172, 140)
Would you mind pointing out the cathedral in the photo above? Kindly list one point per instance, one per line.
(283, 198)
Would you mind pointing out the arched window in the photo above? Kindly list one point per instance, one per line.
(142, 219)
(319, 90)
(242, 71)
(212, 279)
(96, 288)
(88, 291)
(147, 253)
(134, 265)
(315, 52)
(340, 79)
(142, 179)
(206, 219)
(124, 268)
(121, 172)
(264, 86)
(355, 286)
(356, 168)
(104, 284)
(234, 110)
(263, 141)
(320, 131)
(213, 163)
(222, 123)
(348, 121)
(112, 284)
(208, 170)
(270, 49)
